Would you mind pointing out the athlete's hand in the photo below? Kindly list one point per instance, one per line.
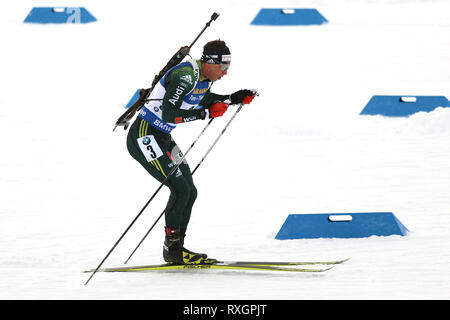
(217, 109)
(244, 96)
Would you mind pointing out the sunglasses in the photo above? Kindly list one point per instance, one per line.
(224, 66)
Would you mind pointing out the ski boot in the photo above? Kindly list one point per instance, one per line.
(175, 253)
(203, 255)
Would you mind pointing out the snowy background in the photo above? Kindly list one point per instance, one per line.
(69, 188)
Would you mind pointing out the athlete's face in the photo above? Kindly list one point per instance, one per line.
(215, 72)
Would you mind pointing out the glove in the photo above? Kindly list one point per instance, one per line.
(217, 109)
(242, 96)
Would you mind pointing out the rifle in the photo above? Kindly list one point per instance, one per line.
(124, 119)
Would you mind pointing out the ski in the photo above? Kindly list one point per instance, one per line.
(162, 267)
(237, 265)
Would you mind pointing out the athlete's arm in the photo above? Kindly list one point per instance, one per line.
(210, 98)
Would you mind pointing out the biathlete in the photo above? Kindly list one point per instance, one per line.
(182, 95)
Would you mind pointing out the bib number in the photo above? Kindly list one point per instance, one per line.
(149, 148)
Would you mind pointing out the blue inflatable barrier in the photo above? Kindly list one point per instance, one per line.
(59, 15)
(403, 106)
(288, 17)
(340, 225)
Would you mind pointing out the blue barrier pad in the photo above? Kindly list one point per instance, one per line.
(291, 17)
(59, 15)
(133, 99)
(340, 225)
(403, 106)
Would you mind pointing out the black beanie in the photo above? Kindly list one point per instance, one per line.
(216, 52)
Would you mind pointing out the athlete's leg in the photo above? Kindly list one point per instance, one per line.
(159, 168)
(186, 173)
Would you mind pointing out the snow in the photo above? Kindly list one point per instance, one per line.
(69, 188)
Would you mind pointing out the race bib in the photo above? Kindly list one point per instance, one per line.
(149, 148)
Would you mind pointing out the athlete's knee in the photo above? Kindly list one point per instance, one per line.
(190, 192)
(181, 189)
(194, 193)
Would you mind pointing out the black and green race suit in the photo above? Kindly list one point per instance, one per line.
(180, 96)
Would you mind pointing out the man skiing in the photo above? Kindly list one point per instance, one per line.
(182, 95)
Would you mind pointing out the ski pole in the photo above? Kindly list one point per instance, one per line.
(198, 165)
(150, 200)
